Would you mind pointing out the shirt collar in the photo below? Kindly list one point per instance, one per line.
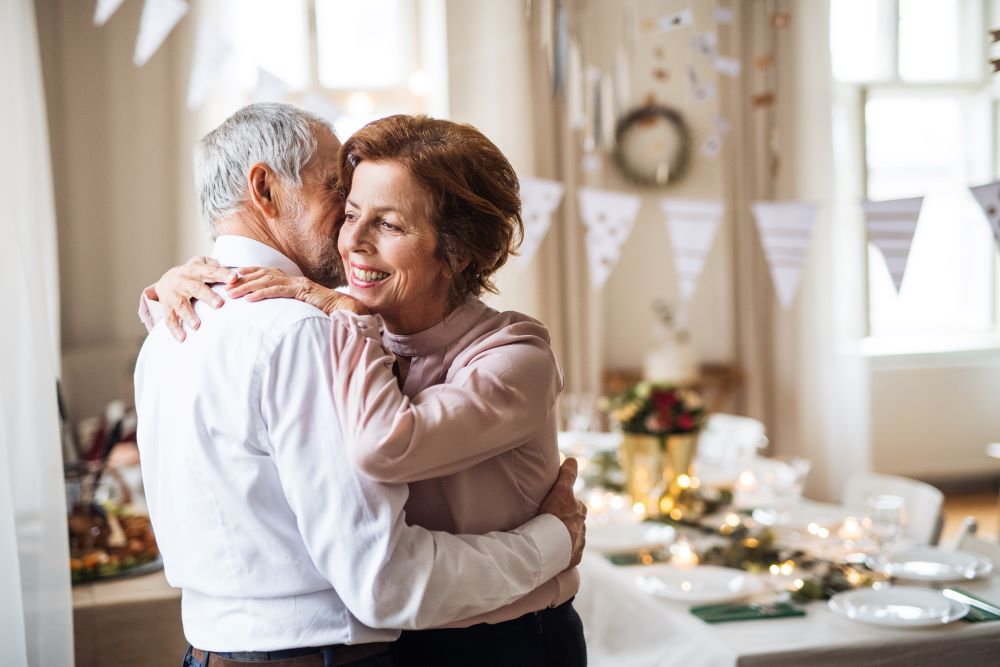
(236, 251)
(455, 325)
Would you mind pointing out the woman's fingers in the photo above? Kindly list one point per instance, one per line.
(174, 325)
(273, 292)
(203, 292)
(257, 280)
(185, 311)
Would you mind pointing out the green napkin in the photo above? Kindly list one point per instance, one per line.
(723, 613)
(975, 614)
(638, 558)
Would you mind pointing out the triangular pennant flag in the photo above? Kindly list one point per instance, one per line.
(692, 225)
(105, 9)
(608, 217)
(269, 88)
(539, 200)
(210, 52)
(785, 231)
(988, 197)
(158, 18)
(681, 19)
(891, 225)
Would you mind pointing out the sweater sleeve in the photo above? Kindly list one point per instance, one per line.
(501, 394)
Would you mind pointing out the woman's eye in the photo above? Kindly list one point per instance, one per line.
(388, 226)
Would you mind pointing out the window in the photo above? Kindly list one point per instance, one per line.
(929, 127)
(350, 61)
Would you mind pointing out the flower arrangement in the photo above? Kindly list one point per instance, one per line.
(657, 409)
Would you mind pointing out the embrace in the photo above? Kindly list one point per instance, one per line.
(365, 476)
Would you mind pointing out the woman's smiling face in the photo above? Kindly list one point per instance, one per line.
(388, 244)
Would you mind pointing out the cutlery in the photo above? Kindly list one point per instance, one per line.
(959, 595)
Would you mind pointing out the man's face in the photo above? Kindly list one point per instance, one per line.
(309, 228)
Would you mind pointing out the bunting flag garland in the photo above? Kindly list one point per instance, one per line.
(699, 91)
(724, 15)
(891, 225)
(692, 225)
(158, 18)
(105, 9)
(728, 66)
(210, 52)
(681, 19)
(785, 232)
(608, 217)
(269, 87)
(988, 197)
(539, 200)
(705, 43)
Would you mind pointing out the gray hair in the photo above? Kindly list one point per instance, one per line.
(281, 136)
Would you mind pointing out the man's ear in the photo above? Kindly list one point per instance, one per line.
(260, 183)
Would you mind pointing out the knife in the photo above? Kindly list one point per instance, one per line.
(961, 596)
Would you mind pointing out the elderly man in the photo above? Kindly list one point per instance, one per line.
(284, 552)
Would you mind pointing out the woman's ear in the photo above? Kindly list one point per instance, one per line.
(260, 183)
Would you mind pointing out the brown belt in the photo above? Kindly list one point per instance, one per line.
(342, 654)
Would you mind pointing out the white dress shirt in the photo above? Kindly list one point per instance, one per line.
(276, 540)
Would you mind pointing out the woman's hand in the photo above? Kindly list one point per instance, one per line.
(258, 283)
(179, 286)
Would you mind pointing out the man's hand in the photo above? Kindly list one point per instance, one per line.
(562, 504)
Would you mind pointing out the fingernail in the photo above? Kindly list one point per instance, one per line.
(233, 277)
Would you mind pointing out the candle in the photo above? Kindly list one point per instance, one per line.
(682, 555)
(851, 530)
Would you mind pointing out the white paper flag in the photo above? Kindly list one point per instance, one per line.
(701, 92)
(681, 19)
(105, 9)
(608, 217)
(712, 145)
(891, 225)
(988, 197)
(158, 18)
(692, 225)
(704, 43)
(724, 15)
(539, 200)
(785, 231)
(210, 52)
(728, 66)
(269, 87)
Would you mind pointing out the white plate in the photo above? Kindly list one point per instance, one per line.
(898, 606)
(923, 563)
(616, 538)
(704, 584)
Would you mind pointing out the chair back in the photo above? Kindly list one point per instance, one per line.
(981, 546)
(923, 502)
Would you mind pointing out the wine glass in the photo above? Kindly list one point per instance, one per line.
(885, 520)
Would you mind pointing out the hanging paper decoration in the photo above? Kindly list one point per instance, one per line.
(681, 19)
(699, 91)
(705, 43)
(105, 9)
(785, 231)
(269, 87)
(891, 225)
(692, 225)
(988, 197)
(712, 145)
(539, 200)
(158, 18)
(210, 52)
(724, 15)
(608, 217)
(728, 66)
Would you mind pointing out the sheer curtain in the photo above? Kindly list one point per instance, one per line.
(36, 611)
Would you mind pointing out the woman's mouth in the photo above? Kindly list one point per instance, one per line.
(365, 277)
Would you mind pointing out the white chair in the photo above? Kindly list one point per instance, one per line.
(982, 547)
(726, 445)
(923, 502)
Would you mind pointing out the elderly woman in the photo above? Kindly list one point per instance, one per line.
(452, 397)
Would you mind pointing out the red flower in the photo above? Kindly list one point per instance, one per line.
(685, 422)
(664, 400)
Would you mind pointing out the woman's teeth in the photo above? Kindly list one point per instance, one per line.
(369, 276)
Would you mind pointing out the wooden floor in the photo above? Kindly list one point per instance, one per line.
(983, 505)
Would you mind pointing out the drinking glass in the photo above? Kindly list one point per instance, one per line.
(885, 519)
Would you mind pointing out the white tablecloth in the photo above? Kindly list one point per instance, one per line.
(627, 628)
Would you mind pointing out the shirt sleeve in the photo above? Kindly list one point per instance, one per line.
(500, 396)
(387, 573)
(150, 311)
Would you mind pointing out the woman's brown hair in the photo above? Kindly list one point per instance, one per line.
(475, 192)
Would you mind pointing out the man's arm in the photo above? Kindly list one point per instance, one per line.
(388, 574)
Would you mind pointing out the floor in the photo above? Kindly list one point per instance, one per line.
(983, 505)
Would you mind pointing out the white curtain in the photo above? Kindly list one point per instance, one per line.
(35, 600)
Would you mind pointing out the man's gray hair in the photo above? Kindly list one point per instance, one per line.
(281, 136)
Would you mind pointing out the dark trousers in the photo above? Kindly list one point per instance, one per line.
(547, 638)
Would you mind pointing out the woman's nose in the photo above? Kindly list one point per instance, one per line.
(356, 236)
